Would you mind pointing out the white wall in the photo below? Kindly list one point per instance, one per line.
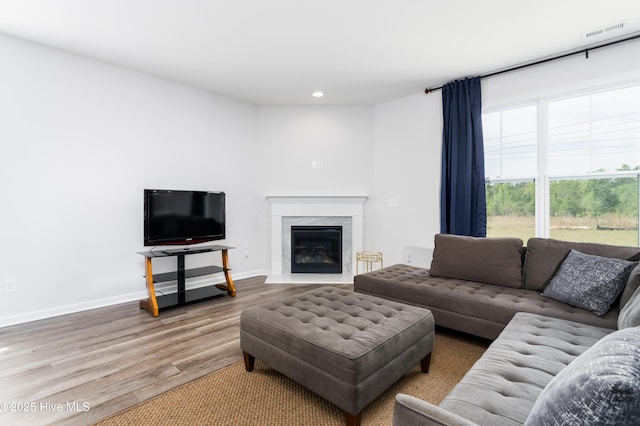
(292, 137)
(408, 135)
(610, 65)
(80, 140)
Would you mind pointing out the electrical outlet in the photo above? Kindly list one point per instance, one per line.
(10, 285)
(246, 253)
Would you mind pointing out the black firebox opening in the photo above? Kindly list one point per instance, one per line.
(316, 249)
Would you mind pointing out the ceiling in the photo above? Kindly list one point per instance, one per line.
(280, 51)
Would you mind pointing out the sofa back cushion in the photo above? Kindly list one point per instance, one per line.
(486, 260)
(631, 287)
(630, 314)
(599, 387)
(544, 256)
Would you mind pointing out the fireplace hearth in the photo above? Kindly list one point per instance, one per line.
(316, 249)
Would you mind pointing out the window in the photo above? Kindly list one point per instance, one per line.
(595, 210)
(511, 209)
(577, 158)
(594, 133)
(510, 145)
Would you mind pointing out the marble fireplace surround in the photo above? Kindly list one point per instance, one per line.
(347, 211)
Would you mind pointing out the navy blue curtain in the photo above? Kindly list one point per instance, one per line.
(463, 205)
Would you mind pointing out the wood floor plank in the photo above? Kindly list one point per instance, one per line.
(115, 357)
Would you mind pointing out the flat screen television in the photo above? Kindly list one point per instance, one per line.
(183, 217)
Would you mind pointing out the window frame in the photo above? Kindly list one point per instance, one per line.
(542, 180)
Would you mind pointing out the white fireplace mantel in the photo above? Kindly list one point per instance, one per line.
(314, 206)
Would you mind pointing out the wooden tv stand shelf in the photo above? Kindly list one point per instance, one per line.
(154, 304)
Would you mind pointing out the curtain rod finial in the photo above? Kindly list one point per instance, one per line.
(428, 90)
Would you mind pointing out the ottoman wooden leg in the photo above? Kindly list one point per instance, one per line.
(352, 419)
(249, 361)
(424, 364)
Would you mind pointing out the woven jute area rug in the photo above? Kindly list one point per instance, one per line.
(232, 396)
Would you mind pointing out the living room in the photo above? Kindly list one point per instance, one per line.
(82, 138)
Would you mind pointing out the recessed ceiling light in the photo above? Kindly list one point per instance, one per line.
(317, 94)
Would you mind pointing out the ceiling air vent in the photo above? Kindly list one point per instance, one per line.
(598, 32)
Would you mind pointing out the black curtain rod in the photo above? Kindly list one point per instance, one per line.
(542, 61)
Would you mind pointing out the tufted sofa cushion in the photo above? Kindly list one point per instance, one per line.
(345, 334)
(480, 309)
(504, 384)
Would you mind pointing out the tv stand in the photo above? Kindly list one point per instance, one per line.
(154, 304)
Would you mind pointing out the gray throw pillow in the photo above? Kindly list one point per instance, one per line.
(600, 387)
(589, 282)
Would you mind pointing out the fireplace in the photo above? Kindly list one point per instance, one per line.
(314, 210)
(316, 249)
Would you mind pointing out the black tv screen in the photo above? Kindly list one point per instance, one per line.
(183, 217)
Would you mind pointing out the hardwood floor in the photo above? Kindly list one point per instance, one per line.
(82, 367)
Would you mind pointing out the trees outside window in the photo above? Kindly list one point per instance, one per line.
(511, 209)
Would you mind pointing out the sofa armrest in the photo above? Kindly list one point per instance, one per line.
(410, 411)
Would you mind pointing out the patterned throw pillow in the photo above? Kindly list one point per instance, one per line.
(589, 282)
(600, 387)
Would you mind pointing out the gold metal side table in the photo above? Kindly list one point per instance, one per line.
(368, 258)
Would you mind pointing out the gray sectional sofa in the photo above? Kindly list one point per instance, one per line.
(476, 285)
(564, 317)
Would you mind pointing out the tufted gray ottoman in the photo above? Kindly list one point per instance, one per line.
(346, 347)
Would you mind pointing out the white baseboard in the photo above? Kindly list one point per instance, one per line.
(115, 300)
